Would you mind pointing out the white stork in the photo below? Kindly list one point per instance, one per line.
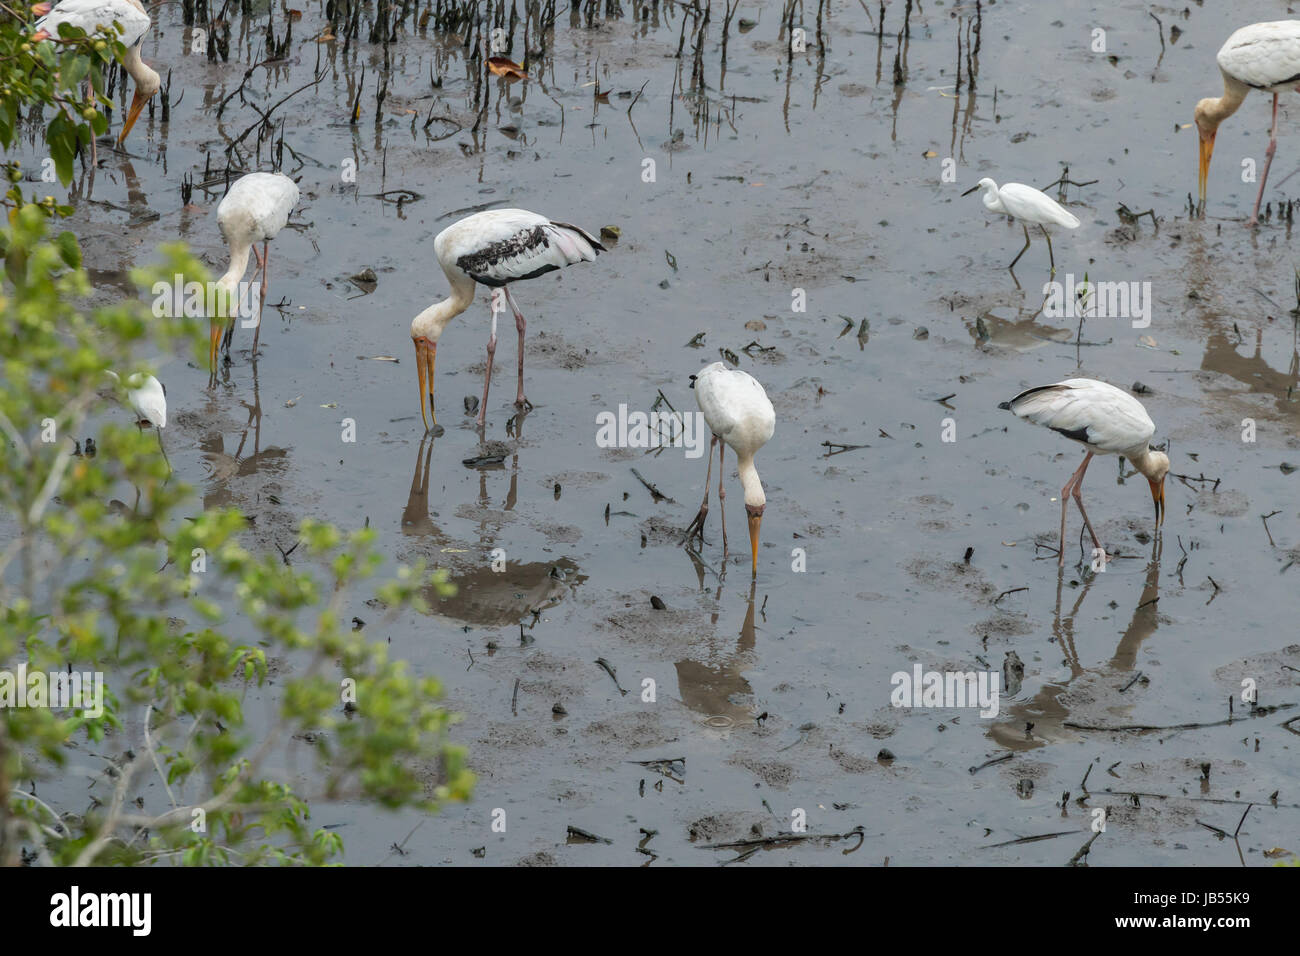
(738, 413)
(254, 210)
(495, 247)
(1106, 421)
(1028, 205)
(1262, 56)
(99, 16)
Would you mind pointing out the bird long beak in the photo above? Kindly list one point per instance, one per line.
(137, 104)
(1158, 497)
(971, 190)
(755, 522)
(215, 328)
(426, 353)
(1206, 146)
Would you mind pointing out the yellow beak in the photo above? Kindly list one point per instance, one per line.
(215, 328)
(1206, 150)
(426, 354)
(1158, 497)
(133, 114)
(755, 522)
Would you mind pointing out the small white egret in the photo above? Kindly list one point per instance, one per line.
(1105, 420)
(1028, 205)
(1262, 56)
(147, 398)
(495, 247)
(99, 15)
(254, 210)
(738, 413)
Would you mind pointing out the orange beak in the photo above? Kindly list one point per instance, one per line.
(426, 354)
(133, 114)
(1206, 146)
(215, 328)
(1158, 497)
(755, 522)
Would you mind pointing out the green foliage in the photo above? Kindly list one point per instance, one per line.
(52, 73)
(149, 595)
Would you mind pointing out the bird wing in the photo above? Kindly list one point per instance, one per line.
(1094, 413)
(735, 407)
(1032, 205)
(89, 14)
(148, 399)
(503, 245)
(1263, 55)
(257, 206)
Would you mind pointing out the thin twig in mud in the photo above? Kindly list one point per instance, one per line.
(613, 675)
(1265, 518)
(514, 700)
(1005, 593)
(989, 763)
(839, 448)
(1136, 677)
(1083, 850)
(265, 116)
(1123, 728)
(655, 493)
(1083, 784)
(400, 848)
(1029, 839)
(582, 834)
(783, 840)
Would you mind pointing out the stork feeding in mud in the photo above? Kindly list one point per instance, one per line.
(738, 413)
(1262, 56)
(496, 248)
(1106, 421)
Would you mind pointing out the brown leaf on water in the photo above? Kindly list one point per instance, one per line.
(501, 66)
(295, 14)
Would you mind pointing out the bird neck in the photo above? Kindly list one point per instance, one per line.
(992, 201)
(754, 497)
(430, 323)
(1218, 110)
(239, 251)
(146, 77)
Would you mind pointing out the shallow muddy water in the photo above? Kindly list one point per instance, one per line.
(821, 174)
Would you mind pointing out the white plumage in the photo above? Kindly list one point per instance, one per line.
(495, 247)
(1026, 204)
(1105, 420)
(1262, 56)
(740, 415)
(254, 210)
(99, 16)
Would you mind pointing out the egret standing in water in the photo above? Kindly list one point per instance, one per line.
(1262, 56)
(1106, 421)
(99, 15)
(739, 414)
(147, 398)
(1028, 205)
(254, 210)
(495, 247)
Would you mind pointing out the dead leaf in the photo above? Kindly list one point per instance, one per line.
(500, 66)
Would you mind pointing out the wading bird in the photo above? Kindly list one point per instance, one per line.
(254, 210)
(147, 398)
(1262, 56)
(739, 414)
(99, 15)
(1028, 205)
(495, 247)
(1106, 421)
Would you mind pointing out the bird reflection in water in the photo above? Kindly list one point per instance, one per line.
(717, 687)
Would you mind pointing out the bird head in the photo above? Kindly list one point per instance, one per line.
(1207, 127)
(146, 86)
(1155, 468)
(984, 183)
(755, 515)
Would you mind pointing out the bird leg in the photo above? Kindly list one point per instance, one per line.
(487, 376)
(1050, 258)
(722, 494)
(1078, 500)
(265, 263)
(520, 400)
(1011, 268)
(1072, 488)
(1268, 161)
(696, 528)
